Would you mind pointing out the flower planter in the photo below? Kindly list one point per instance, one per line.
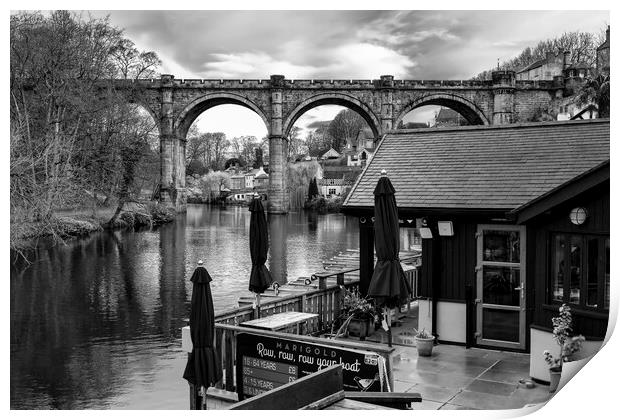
(424, 346)
(361, 328)
(554, 378)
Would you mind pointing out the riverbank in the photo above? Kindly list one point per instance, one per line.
(69, 224)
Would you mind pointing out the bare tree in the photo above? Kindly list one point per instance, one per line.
(296, 144)
(213, 183)
(345, 128)
(581, 45)
(70, 128)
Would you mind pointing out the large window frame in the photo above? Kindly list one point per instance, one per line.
(561, 264)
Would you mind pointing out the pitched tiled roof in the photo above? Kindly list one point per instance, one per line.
(325, 181)
(534, 65)
(491, 168)
(580, 65)
(447, 114)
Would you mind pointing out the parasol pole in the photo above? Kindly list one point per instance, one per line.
(203, 392)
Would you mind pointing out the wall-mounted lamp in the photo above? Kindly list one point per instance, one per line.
(425, 231)
(578, 216)
(445, 228)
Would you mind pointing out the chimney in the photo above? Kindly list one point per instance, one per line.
(566, 59)
(607, 34)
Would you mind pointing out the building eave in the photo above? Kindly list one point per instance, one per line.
(560, 194)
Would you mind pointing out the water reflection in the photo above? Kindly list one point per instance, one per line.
(277, 259)
(96, 323)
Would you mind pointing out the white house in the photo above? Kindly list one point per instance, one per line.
(251, 174)
(329, 187)
(330, 154)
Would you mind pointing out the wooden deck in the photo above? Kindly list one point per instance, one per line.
(345, 263)
(320, 294)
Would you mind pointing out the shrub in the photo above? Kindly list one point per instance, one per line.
(160, 214)
(142, 219)
(127, 218)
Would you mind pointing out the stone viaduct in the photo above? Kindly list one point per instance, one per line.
(383, 103)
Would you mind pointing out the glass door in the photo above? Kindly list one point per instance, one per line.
(500, 297)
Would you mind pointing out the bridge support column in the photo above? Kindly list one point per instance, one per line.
(172, 152)
(503, 96)
(278, 150)
(387, 118)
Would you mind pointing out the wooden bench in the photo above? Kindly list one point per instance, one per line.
(399, 400)
(323, 390)
(323, 275)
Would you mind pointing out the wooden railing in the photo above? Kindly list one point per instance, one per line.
(226, 342)
(413, 279)
(324, 301)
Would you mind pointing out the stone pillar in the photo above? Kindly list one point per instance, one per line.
(503, 96)
(278, 149)
(386, 86)
(166, 143)
(181, 204)
(172, 152)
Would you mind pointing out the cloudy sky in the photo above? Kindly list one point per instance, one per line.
(337, 44)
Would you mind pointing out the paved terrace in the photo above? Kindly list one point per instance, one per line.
(454, 378)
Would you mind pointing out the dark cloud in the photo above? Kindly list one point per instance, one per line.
(343, 44)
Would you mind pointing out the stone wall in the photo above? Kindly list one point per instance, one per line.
(527, 104)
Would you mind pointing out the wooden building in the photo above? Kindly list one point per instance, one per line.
(514, 220)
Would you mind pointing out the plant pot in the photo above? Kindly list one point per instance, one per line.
(554, 378)
(361, 328)
(424, 346)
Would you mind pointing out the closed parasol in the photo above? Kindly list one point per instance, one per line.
(388, 285)
(260, 277)
(203, 367)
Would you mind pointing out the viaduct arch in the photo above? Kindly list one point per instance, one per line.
(467, 109)
(383, 103)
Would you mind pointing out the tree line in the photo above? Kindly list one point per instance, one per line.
(207, 152)
(75, 139)
(581, 45)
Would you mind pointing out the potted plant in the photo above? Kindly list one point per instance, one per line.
(423, 342)
(358, 315)
(569, 345)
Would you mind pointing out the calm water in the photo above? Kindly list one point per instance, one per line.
(97, 323)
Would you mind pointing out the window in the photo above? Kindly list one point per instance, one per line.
(332, 191)
(580, 270)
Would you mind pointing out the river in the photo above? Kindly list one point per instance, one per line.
(96, 323)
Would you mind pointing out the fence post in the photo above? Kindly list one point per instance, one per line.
(230, 361)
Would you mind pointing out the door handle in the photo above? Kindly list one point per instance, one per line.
(521, 289)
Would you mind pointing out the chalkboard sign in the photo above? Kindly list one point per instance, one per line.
(264, 363)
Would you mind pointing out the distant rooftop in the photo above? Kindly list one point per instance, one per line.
(482, 167)
(534, 65)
